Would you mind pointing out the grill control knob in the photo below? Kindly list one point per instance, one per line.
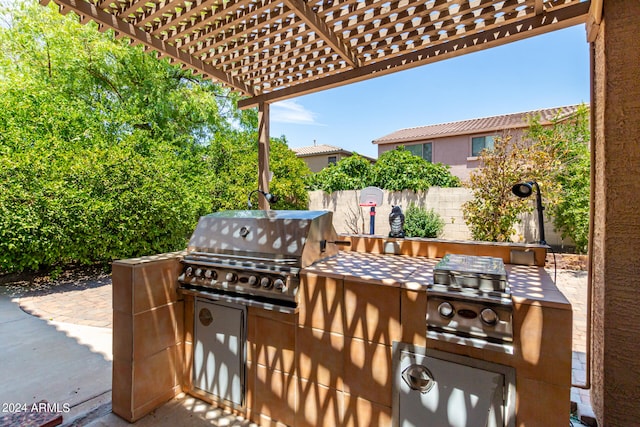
(253, 281)
(265, 282)
(208, 274)
(446, 310)
(231, 277)
(188, 271)
(278, 284)
(198, 272)
(489, 316)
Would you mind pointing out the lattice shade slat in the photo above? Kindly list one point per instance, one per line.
(276, 49)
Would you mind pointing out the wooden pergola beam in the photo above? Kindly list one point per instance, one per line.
(594, 19)
(264, 148)
(319, 26)
(538, 7)
(561, 18)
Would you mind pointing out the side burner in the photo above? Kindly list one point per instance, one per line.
(470, 302)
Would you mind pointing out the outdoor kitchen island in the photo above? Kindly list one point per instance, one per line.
(330, 361)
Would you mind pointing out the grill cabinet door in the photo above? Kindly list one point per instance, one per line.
(440, 393)
(219, 351)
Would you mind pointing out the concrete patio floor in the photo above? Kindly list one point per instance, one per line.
(56, 346)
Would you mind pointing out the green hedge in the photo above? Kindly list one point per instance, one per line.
(107, 152)
(395, 170)
(92, 205)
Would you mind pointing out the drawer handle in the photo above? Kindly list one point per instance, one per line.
(205, 317)
(418, 378)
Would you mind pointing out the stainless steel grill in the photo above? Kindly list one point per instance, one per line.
(254, 257)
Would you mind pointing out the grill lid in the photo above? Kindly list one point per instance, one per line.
(297, 238)
(476, 272)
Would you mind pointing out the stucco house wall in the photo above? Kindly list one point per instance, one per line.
(452, 142)
(317, 156)
(454, 151)
(320, 161)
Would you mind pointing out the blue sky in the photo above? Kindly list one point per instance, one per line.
(550, 70)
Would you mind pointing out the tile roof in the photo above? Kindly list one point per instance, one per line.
(480, 125)
(315, 150)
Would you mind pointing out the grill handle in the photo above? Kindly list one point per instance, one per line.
(323, 243)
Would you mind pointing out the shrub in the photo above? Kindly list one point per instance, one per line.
(399, 169)
(493, 211)
(556, 157)
(420, 222)
(107, 153)
(350, 173)
(395, 170)
(569, 140)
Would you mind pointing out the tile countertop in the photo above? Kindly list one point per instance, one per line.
(529, 284)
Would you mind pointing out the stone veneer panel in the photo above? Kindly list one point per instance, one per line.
(274, 344)
(368, 370)
(271, 376)
(326, 370)
(318, 406)
(372, 312)
(616, 235)
(413, 312)
(274, 396)
(359, 412)
(543, 351)
(322, 303)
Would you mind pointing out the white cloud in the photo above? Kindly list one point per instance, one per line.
(291, 112)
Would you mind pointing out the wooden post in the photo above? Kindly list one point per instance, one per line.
(263, 153)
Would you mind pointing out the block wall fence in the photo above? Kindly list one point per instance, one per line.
(349, 217)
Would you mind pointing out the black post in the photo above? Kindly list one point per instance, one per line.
(540, 215)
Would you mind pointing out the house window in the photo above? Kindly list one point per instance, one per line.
(479, 143)
(333, 160)
(422, 150)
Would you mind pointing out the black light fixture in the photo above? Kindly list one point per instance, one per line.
(270, 198)
(525, 189)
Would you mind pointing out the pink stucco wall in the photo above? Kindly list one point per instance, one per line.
(454, 151)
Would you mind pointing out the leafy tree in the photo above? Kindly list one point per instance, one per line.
(568, 139)
(399, 169)
(420, 222)
(555, 156)
(107, 152)
(231, 163)
(287, 172)
(493, 211)
(395, 170)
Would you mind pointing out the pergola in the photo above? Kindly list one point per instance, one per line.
(270, 50)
